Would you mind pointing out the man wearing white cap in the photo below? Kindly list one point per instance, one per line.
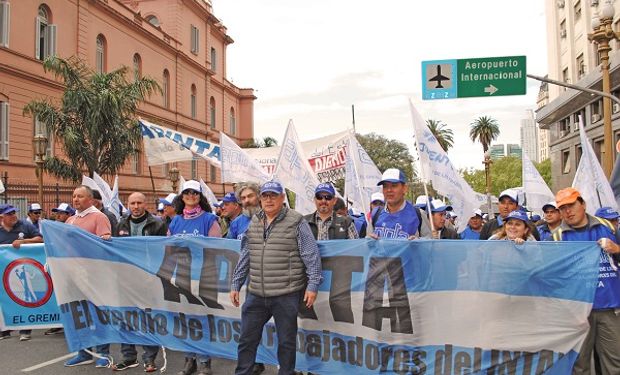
(34, 214)
(474, 225)
(508, 202)
(399, 218)
(63, 212)
(439, 212)
(169, 210)
(553, 219)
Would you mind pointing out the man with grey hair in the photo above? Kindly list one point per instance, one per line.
(247, 195)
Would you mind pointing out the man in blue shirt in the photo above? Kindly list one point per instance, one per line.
(604, 333)
(474, 225)
(609, 214)
(247, 194)
(399, 219)
(17, 232)
(34, 214)
(278, 240)
(553, 219)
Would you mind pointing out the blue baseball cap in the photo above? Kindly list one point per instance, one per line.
(271, 187)
(549, 205)
(392, 175)
(8, 209)
(607, 213)
(518, 215)
(535, 217)
(64, 207)
(230, 197)
(438, 206)
(325, 188)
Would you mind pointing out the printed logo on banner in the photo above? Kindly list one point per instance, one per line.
(26, 283)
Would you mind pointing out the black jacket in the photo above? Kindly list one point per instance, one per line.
(153, 226)
(449, 234)
(338, 228)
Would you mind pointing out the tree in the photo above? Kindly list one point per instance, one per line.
(96, 121)
(387, 153)
(443, 134)
(484, 130)
(260, 143)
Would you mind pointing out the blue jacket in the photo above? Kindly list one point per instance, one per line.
(469, 234)
(238, 227)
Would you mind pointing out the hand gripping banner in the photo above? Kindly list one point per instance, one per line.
(387, 306)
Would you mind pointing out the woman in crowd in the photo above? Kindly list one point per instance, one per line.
(194, 218)
(515, 229)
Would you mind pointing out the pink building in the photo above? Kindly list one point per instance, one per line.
(180, 43)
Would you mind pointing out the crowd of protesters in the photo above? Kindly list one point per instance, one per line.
(275, 237)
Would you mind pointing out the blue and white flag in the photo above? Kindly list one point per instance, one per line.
(361, 177)
(294, 172)
(163, 145)
(237, 165)
(386, 306)
(27, 298)
(437, 168)
(590, 180)
(208, 193)
(537, 193)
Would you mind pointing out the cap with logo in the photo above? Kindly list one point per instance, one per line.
(7, 209)
(325, 188)
(64, 207)
(566, 196)
(517, 215)
(168, 200)
(392, 175)
(230, 197)
(271, 187)
(607, 213)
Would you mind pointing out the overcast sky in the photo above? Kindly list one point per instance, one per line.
(311, 60)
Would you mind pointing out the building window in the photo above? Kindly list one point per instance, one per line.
(596, 110)
(4, 131)
(233, 122)
(45, 39)
(100, 55)
(565, 77)
(213, 59)
(578, 153)
(137, 66)
(581, 66)
(135, 163)
(599, 149)
(195, 40)
(212, 174)
(5, 23)
(566, 161)
(152, 20)
(563, 29)
(192, 101)
(166, 88)
(165, 169)
(565, 127)
(194, 169)
(577, 10)
(212, 112)
(40, 128)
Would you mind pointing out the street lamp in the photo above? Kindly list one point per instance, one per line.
(173, 175)
(487, 173)
(39, 143)
(602, 34)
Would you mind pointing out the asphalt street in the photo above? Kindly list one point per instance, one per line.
(46, 355)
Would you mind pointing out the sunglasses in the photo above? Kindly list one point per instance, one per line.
(323, 197)
(191, 192)
(36, 212)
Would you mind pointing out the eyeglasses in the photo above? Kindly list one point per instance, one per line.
(191, 192)
(323, 197)
(269, 196)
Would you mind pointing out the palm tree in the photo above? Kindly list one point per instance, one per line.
(443, 134)
(484, 130)
(96, 121)
(260, 143)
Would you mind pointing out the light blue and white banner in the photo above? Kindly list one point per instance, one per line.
(387, 306)
(163, 145)
(27, 300)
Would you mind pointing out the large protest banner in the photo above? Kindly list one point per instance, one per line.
(27, 300)
(387, 306)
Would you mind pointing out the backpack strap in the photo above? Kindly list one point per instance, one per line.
(606, 223)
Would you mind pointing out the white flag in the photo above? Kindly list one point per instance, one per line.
(437, 168)
(537, 193)
(590, 179)
(208, 193)
(116, 206)
(163, 145)
(237, 165)
(361, 176)
(181, 183)
(294, 172)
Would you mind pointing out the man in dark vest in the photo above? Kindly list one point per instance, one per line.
(324, 222)
(280, 242)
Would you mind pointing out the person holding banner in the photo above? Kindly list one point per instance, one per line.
(399, 218)
(194, 218)
(279, 241)
(231, 209)
(90, 219)
(604, 333)
(508, 202)
(608, 214)
(474, 225)
(515, 229)
(553, 219)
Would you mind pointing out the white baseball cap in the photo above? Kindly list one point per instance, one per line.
(377, 197)
(510, 193)
(191, 185)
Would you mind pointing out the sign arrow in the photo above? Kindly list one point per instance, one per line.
(491, 89)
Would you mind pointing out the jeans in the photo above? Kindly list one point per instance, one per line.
(130, 353)
(255, 313)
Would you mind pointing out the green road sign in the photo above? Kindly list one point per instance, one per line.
(465, 78)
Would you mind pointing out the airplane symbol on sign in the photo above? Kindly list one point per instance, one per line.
(438, 78)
